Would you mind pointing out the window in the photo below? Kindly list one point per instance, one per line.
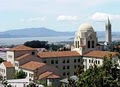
(78, 60)
(45, 61)
(10, 56)
(33, 53)
(74, 60)
(78, 65)
(67, 60)
(63, 67)
(52, 61)
(64, 73)
(68, 67)
(98, 62)
(63, 61)
(89, 60)
(56, 66)
(92, 44)
(16, 64)
(56, 61)
(68, 73)
(88, 44)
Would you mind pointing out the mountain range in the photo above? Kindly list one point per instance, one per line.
(44, 32)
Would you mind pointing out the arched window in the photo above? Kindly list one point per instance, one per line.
(88, 44)
(93, 44)
(78, 44)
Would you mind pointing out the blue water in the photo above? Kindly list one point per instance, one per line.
(16, 41)
(9, 41)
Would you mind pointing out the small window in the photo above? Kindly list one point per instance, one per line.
(74, 60)
(63, 61)
(98, 62)
(78, 60)
(78, 65)
(68, 67)
(56, 61)
(45, 61)
(67, 60)
(10, 56)
(63, 67)
(52, 61)
(68, 73)
(33, 53)
(56, 66)
(89, 60)
(64, 73)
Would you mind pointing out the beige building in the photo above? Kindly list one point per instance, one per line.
(51, 66)
(66, 61)
(7, 70)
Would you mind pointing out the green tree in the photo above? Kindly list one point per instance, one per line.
(106, 75)
(20, 74)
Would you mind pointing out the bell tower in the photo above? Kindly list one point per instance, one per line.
(108, 32)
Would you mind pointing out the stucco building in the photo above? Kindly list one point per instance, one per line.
(52, 66)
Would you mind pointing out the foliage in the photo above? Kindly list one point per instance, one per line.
(106, 75)
(20, 74)
(42, 44)
(1, 60)
(37, 44)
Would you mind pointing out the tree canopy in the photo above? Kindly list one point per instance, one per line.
(20, 74)
(107, 75)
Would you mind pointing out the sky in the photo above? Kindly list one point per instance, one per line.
(59, 15)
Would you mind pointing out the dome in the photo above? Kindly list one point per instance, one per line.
(85, 27)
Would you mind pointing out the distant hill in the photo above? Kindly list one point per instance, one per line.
(34, 32)
(44, 32)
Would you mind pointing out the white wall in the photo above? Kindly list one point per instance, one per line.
(10, 57)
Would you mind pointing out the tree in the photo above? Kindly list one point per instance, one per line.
(37, 44)
(20, 74)
(1, 60)
(106, 75)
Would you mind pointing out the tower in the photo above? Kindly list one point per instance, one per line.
(108, 32)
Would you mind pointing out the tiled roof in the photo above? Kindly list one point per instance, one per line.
(21, 48)
(58, 54)
(7, 64)
(48, 74)
(100, 54)
(23, 56)
(32, 65)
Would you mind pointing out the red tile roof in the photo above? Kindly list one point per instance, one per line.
(48, 74)
(22, 57)
(32, 65)
(100, 54)
(58, 54)
(22, 48)
(7, 64)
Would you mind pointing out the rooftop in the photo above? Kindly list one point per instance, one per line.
(32, 65)
(100, 54)
(58, 54)
(23, 56)
(48, 74)
(8, 64)
(22, 48)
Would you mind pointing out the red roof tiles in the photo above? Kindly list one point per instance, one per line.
(8, 64)
(58, 54)
(22, 48)
(100, 54)
(32, 65)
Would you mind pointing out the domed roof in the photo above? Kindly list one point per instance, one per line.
(85, 27)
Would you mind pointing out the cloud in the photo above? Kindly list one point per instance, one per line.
(103, 16)
(33, 19)
(67, 18)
